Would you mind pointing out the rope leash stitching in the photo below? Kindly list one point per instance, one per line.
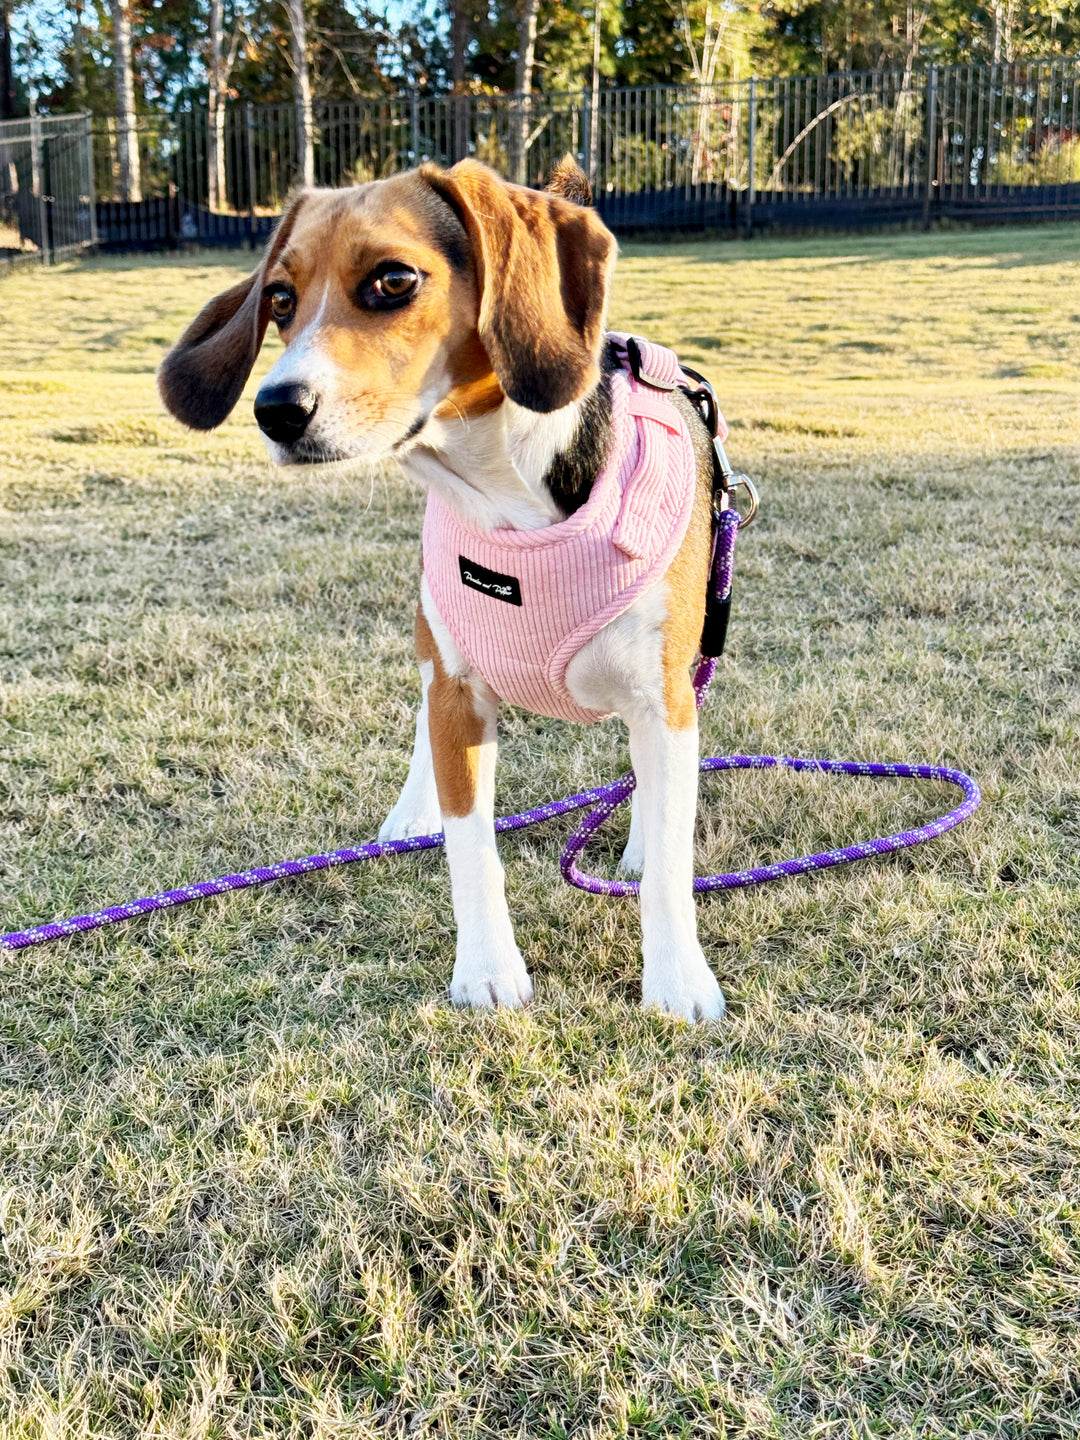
(605, 798)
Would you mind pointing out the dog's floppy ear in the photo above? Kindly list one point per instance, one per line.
(542, 269)
(201, 378)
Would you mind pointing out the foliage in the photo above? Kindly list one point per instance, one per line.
(809, 35)
(358, 48)
(1055, 162)
(869, 141)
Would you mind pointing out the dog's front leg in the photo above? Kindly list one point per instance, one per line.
(462, 712)
(676, 976)
(417, 809)
(632, 861)
(623, 669)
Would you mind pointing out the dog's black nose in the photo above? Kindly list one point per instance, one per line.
(284, 411)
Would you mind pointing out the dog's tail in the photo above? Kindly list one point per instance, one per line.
(569, 180)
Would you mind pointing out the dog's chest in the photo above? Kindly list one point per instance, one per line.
(520, 604)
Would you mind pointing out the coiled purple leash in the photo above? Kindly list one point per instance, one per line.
(605, 798)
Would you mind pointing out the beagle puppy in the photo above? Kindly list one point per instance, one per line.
(455, 322)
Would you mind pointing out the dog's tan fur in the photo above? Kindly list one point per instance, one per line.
(543, 266)
(472, 399)
(335, 241)
(687, 581)
(523, 319)
(456, 730)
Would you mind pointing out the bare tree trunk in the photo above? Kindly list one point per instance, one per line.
(302, 89)
(594, 101)
(914, 22)
(130, 176)
(459, 40)
(523, 83)
(704, 64)
(216, 111)
(78, 53)
(7, 75)
(1004, 13)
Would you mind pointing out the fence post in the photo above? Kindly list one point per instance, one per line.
(37, 183)
(91, 191)
(586, 134)
(751, 147)
(249, 137)
(414, 126)
(931, 142)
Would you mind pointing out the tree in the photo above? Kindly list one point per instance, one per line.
(7, 73)
(123, 76)
(78, 76)
(528, 14)
(216, 109)
(219, 68)
(591, 147)
(706, 46)
(1003, 13)
(459, 43)
(302, 89)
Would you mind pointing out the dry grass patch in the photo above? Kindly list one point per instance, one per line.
(258, 1179)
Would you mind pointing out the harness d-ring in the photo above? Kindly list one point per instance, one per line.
(743, 482)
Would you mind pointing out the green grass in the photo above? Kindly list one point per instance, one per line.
(257, 1178)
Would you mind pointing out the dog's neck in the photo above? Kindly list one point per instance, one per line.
(514, 468)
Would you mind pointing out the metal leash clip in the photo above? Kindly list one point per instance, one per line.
(731, 482)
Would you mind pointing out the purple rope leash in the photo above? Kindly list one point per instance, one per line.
(617, 793)
(605, 798)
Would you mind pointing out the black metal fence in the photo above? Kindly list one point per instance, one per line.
(994, 142)
(46, 189)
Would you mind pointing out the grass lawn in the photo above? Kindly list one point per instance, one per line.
(258, 1178)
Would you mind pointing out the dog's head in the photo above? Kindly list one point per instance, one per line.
(435, 292)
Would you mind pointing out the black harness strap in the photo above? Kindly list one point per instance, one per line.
(703, 398)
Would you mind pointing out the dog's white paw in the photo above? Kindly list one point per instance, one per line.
(491, 981)
(678, 981)
(407, 820)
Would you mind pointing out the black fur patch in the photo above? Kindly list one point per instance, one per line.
(450, 234)
(571, 474)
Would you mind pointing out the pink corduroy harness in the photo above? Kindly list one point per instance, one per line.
(520, 604)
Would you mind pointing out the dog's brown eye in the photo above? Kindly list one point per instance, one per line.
(389, 285)
(396, 283)
(282, 303)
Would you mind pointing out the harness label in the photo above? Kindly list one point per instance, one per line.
(489, 582)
